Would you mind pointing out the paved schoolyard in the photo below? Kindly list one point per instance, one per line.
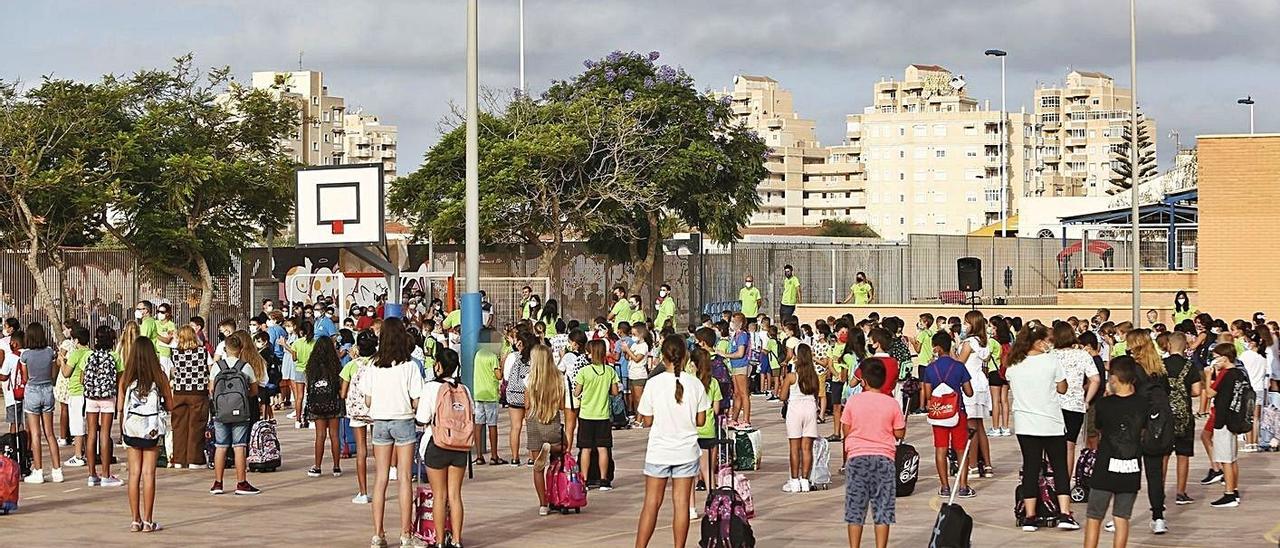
(502, 511)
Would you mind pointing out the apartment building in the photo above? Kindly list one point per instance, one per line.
(318, 140)
(367, 141)
(1082, 123)
(932, 156)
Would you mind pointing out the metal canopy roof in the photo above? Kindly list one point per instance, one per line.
(1148, 215)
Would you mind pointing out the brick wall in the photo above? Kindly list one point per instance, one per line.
(1239, 189)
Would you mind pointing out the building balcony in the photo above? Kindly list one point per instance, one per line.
(1075, 142)
(1050, 157)
(1076, 92)
(774, 167)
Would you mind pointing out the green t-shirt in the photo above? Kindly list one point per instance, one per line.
(451, 320)
(526, 310)
(621, 310)
(1179, 317)
(1119, 349)
(708, 429)
(637, 316)
(861, 293)
(666, 311)
(77, 358)
(723, 344)
(352, 366)
(485, 377)
(164, 327)
(750, 298)
(996, 352)
(302, 348)
(596, 381)
(150, 329)
(790, 291)
(925, 338)
(771, 346)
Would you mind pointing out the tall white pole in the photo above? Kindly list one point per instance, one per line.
(1004, 184)
(1135, 242)
(523, 90)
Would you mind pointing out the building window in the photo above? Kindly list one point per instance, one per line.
(971, 197)
(940, 153)
(940, 219)
(324, 116)
(992, 194)
(315, 100)
(971, 152)
(918, 221)
(326, 137)
(919, 130)
(315, 146)
(1049, 118)
(1050, 101)
(971, 130)
(939, 130)
(972, 174)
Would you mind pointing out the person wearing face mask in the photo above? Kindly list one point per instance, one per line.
(526, 294)
(621, 310)
(790, 295)
(324, 324)
(165, 336)
(1182, 309)
(739, 345)
(666, 309)
(862, 291)
(637, 311)
(749, 297)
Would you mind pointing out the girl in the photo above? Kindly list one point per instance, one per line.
(975, 353)
(391, 388)
(1082, 383)
(1255, 363)
(549, 316)
(674, 406)
(575, 358)
(256, 362)
(775, 361)
(852, 354)
(38, 358)
(143, 391)
(700, 362)
(446, 468)
(517, 373)
(324, 401)
(802, 418)
(1003, 336)
(100, 409)
(366, 346)
(298, 350)
(1034, 385)
(822, 350)
(190, 404)
(544, 422)
(637, 354)
(271, 382)
(1151, 372)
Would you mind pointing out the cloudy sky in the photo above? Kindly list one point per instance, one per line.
(404, 60)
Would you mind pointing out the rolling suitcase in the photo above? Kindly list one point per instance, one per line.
(11, 470)
(566, 489)
(820, 475)
(907, 465)
(264, 447)
(954, 527)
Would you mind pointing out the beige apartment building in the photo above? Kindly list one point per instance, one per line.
(318, 139)
(368, 141)
(1082, 123)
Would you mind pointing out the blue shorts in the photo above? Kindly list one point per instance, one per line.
(764, 365)
(231, 435)
(870, 479)
(39, 399)
(687, 470)
(396, 431)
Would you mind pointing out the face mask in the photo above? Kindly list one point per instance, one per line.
(748, 284)
(289, 330)
(861, 279)
(843, 336)
(221, 336)
(871, 349)
(267, 309)
(635, 304)
(454, 338)
(137, 314)
(533, 302)
(271, 323)
(786, 274)
(662, 293)
(160, 316)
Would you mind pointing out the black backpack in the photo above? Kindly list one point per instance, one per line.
(99, 376)
(231, 395)
(323, 399)
(907, 465)
(1239, 415)
(1158, 431)
(725, 523)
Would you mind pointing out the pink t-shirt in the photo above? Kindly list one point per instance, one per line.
(877, 416)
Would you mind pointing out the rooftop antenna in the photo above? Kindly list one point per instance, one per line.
(299, 59)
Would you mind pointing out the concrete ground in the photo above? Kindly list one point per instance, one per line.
(294, 510)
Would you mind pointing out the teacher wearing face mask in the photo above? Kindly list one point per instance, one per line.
(862, 291)
(790, 295)
(749, 297)
(666, 306)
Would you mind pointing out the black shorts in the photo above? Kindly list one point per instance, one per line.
(141, 443)
(595, 433)
(438, 459)
(1185, 445)
(1075, 421)
(834, 392)
(708, 443)
(994, 379)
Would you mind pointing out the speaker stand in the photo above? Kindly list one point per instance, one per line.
(973, 300)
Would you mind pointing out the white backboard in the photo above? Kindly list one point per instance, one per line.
(340, 206)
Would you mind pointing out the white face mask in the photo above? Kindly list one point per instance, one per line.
(271, 323)
(137, 314)
(160, 316)
(662, 293)
(748, 283)
(369, 313)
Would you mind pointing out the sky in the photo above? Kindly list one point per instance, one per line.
(405, 60)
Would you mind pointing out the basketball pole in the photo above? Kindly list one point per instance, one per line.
(471, 298)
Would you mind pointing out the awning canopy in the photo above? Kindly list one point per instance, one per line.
(1096, 247)
(993, 229)
(1150, 215)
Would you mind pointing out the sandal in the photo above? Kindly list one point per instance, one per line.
(151, 527)
(478, 461)
(498, 461)
(135, 527)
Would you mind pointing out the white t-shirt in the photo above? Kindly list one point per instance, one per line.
(1033, 383)
(638, 369)
(673, 440)
(1257, 366)
(1078, 367)
(427, 408)
(391, 390)
(8, 368)
(978, 356)
(245, 369)
(512, 359)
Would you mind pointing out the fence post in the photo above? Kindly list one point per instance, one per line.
(833, 275)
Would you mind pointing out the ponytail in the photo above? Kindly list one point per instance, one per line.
(674, 353)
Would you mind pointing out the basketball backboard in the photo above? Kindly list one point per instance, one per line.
(340, 206)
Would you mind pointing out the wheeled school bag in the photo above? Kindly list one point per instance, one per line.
(11, 472)
(618, 413)
(566, 488)
(746, 448)
(346, 439)
(954, 527)
(820, 475)
(726, 519)
(1046, 502)
(264, 447)
(1084, 471)
(424, 511)
(1269, 429)
(17, 447)
(906, 464)
(209, 450)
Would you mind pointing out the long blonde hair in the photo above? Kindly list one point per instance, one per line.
(1138, 343)
(249, 354)
(545, 395)
(187, 338)
(128, 336)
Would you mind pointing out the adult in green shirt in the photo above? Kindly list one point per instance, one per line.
(750, 298)
(666, 309)
(790, 294)
(861, 292)
(526, 304)
(165, 333)
(144, 313)
(621, 306)
(451, 320)
(594, 385)
(637, 311)
(485, 378)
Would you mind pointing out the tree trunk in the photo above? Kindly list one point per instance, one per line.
(205, 287)
(653, 246)
(547, 262)
(44, 299)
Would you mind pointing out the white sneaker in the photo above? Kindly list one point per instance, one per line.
(36, 476)
(1110, 526)
(297, 425)
(56, 475)
(393, 473)
(804, 485)
(1006, 432)
(74, 462)
(292, 415)
(792, 486)
(693, 513)
(360, 498)
(111, 481)
(1159, 526)
(992, 432)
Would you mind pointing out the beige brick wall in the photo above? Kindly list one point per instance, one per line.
(1123, 279)
(1239, 196)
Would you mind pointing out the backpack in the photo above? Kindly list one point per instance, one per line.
(454, 422)
(1239, 415)
(906, 462)
(99, 376)
(720, 368)
(356, 406)
(18, 381)
(230, 401)
(724, 522)
(1180, 400)
(944, 403)
(144, 415)
(1157, 433)
(323, 399)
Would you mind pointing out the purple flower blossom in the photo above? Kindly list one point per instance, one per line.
(648, 82)
(725, 100)
(666, 74)
(711, 115)
(653, 55)
(614, 56)
(622, 71)
(609, 75)
(589, 63)
(628, 95)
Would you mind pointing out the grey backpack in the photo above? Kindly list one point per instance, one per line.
(230, 394)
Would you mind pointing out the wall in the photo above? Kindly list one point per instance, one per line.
(1239, 187)
(1123, 279)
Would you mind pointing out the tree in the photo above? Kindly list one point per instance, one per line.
(1122, 161)
(61, 148)
(205, 172)
(837, 228)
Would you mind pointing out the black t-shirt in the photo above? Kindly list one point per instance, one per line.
(1174, 365)
(1102, 379)
(1118, 465)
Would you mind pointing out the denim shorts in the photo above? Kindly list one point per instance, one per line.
(398, 431)
(230, 435)
(486, 413)
(39, 399)
(687, 470)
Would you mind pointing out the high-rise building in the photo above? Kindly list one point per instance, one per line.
(318, 139)
(368, 141)
(1082, 126)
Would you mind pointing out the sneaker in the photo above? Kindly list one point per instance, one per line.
(94, 481)
(1110, 526)
(197, 466)
(1214, 476)
(1029, 525)
(792, 486)
(543, 510)
(112, 481)
(244, 488)
(1006, 432)
(378, 542)
(292, 415)
(36, 476)
(74, 462)
(1068, 522)
(63, 442)
(944, 492)
(805, 486)
(833, 438)
(966, 493)
(693, 514)
(701, 486)
(606, 486)
(393, 473)
(992, 432)
(313, 472)
(55, 475)
(1182, 498)
(337, 472)
(1159, 526)
(216, 489)
(360, 498)
(406, 539)
(1228, 500)
(772, 398)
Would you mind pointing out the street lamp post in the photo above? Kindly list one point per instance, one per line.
(1136, 267)
(1248, 101)
(522, 88)
(1004, 208)
(471, 299)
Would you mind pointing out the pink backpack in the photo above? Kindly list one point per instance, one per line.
(565, 488)
(454, 425)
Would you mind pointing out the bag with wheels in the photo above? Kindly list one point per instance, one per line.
(566, 488)
(906, 463)
(16, 446)
(1046, 502)
(264, 447)
(820, 475)
(618, 413)
(726, 519)
(424, 515)
(954, 527)
(1084, 471)
(346, 439)
(746, 449)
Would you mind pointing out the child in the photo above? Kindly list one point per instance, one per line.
(101, 383)
(869, 447)
(358, 410)
(947, 371)
(231, 435)
(143, 386)
(802, 418)
(774, 358)
(272, 387)
(1118, 472)
(324, 401)
(593, 386)
(1223, 449)
(73, 370)
(700, 363)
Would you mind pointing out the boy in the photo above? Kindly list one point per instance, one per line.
(1223, 450)
(488, 375)
(869, 446)
(947, 370)
(775, 360)
(593, 385)
(1118, 472)
(233, 435)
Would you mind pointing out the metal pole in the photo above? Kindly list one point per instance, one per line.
(1250, 118)
(1004, 207)
(523, 90)
(471, 299)
(1136, 266)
